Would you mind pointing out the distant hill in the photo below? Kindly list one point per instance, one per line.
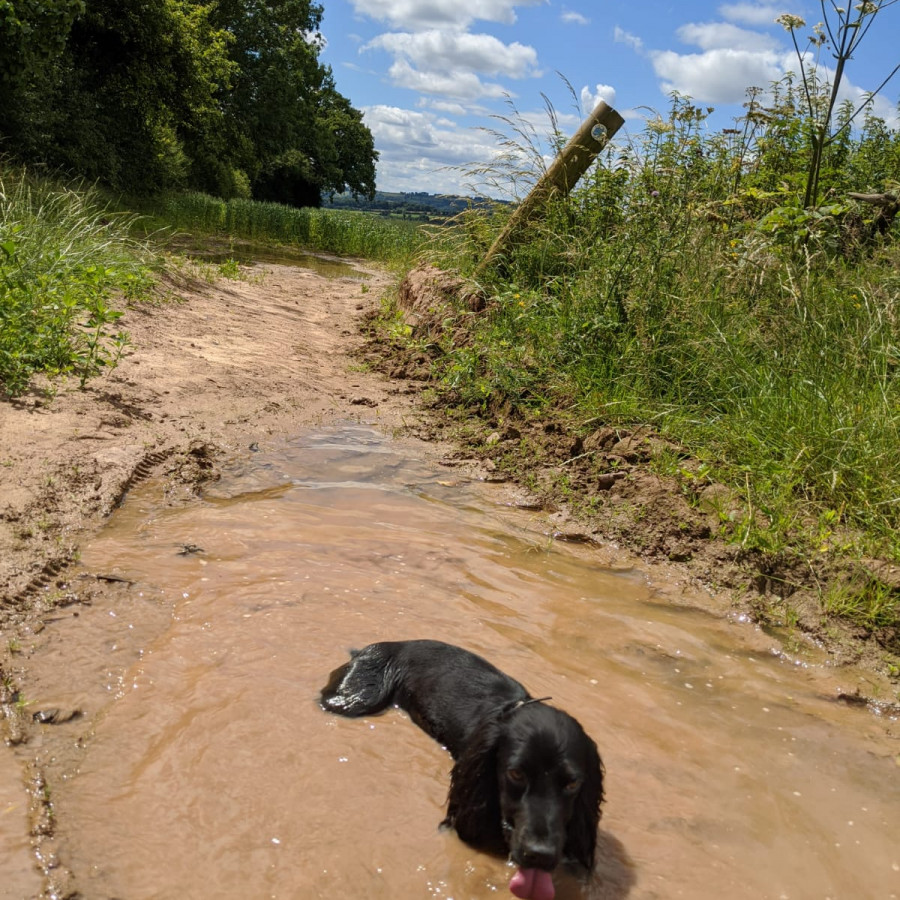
(418, 206)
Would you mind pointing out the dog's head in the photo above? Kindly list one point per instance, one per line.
(530, 785)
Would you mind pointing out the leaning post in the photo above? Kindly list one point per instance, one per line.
(563, 174)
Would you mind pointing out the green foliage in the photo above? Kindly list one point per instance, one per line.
(228, 97)
(841, 31)
(129, 98)
(63, 260)
(684, 284)
(32, 34)
(871, 605)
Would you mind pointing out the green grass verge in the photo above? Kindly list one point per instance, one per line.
(66, 264)
(682, 287)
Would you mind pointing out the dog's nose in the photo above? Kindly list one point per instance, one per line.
(538, 855)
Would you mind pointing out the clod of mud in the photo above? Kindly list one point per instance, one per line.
(194, 468)
(56, 716)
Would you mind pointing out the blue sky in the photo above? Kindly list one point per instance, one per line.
(430, 74)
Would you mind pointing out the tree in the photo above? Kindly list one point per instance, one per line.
(148, 95)
(140, 88)
(350, 147)
(32, 33)
(121, 92)
(290, 129)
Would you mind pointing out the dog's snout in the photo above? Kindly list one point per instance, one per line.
(537, 855)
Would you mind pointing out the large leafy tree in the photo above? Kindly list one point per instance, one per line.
(119, 92)
(32, 34)
(141, 84)
(293, 133)
(146, 95)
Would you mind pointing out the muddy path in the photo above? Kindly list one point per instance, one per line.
(262, 460)
(211, 369)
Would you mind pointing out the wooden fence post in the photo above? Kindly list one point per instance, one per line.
(563, 174)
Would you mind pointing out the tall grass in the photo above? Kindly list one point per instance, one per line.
(342, 232)
(64, 259)
(683, 284)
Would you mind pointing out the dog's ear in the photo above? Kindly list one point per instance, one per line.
(581, 837)
(473, 804)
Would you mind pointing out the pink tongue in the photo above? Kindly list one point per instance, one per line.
(532, 884)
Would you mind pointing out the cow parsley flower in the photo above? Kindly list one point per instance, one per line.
(790, 22)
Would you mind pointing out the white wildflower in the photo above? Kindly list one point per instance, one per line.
(790, 22)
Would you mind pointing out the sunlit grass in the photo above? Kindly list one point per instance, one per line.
(65, 258)
(661, 292)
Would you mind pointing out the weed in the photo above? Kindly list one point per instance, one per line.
(230, 268)
(872, 605)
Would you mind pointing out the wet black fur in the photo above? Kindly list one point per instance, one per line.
(527, 780)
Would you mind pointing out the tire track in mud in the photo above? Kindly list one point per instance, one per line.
(54, 567)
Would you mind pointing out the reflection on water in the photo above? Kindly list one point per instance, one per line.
(248, 254)
(211, 771)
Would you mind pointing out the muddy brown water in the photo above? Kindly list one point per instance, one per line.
(249, 254)
(205, 768)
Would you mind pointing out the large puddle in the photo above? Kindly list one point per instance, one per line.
(210, 771)
(248, 253)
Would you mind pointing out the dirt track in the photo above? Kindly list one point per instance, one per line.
(209, 369)
(216, 368)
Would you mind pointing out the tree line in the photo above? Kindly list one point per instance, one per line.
(226, 97)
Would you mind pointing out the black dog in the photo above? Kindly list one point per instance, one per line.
(527, 780)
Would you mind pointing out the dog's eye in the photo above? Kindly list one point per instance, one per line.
(516, 776)
(572, 786)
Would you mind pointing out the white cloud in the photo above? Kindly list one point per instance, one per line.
(722, 75)
(752, 13)
(717, 76)
(570, 17)
(449, 106)
(450, 52)
(458, 85)
(620, 36)
(422, 152)
(723, 35)
(415, 14)
(590, 98)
